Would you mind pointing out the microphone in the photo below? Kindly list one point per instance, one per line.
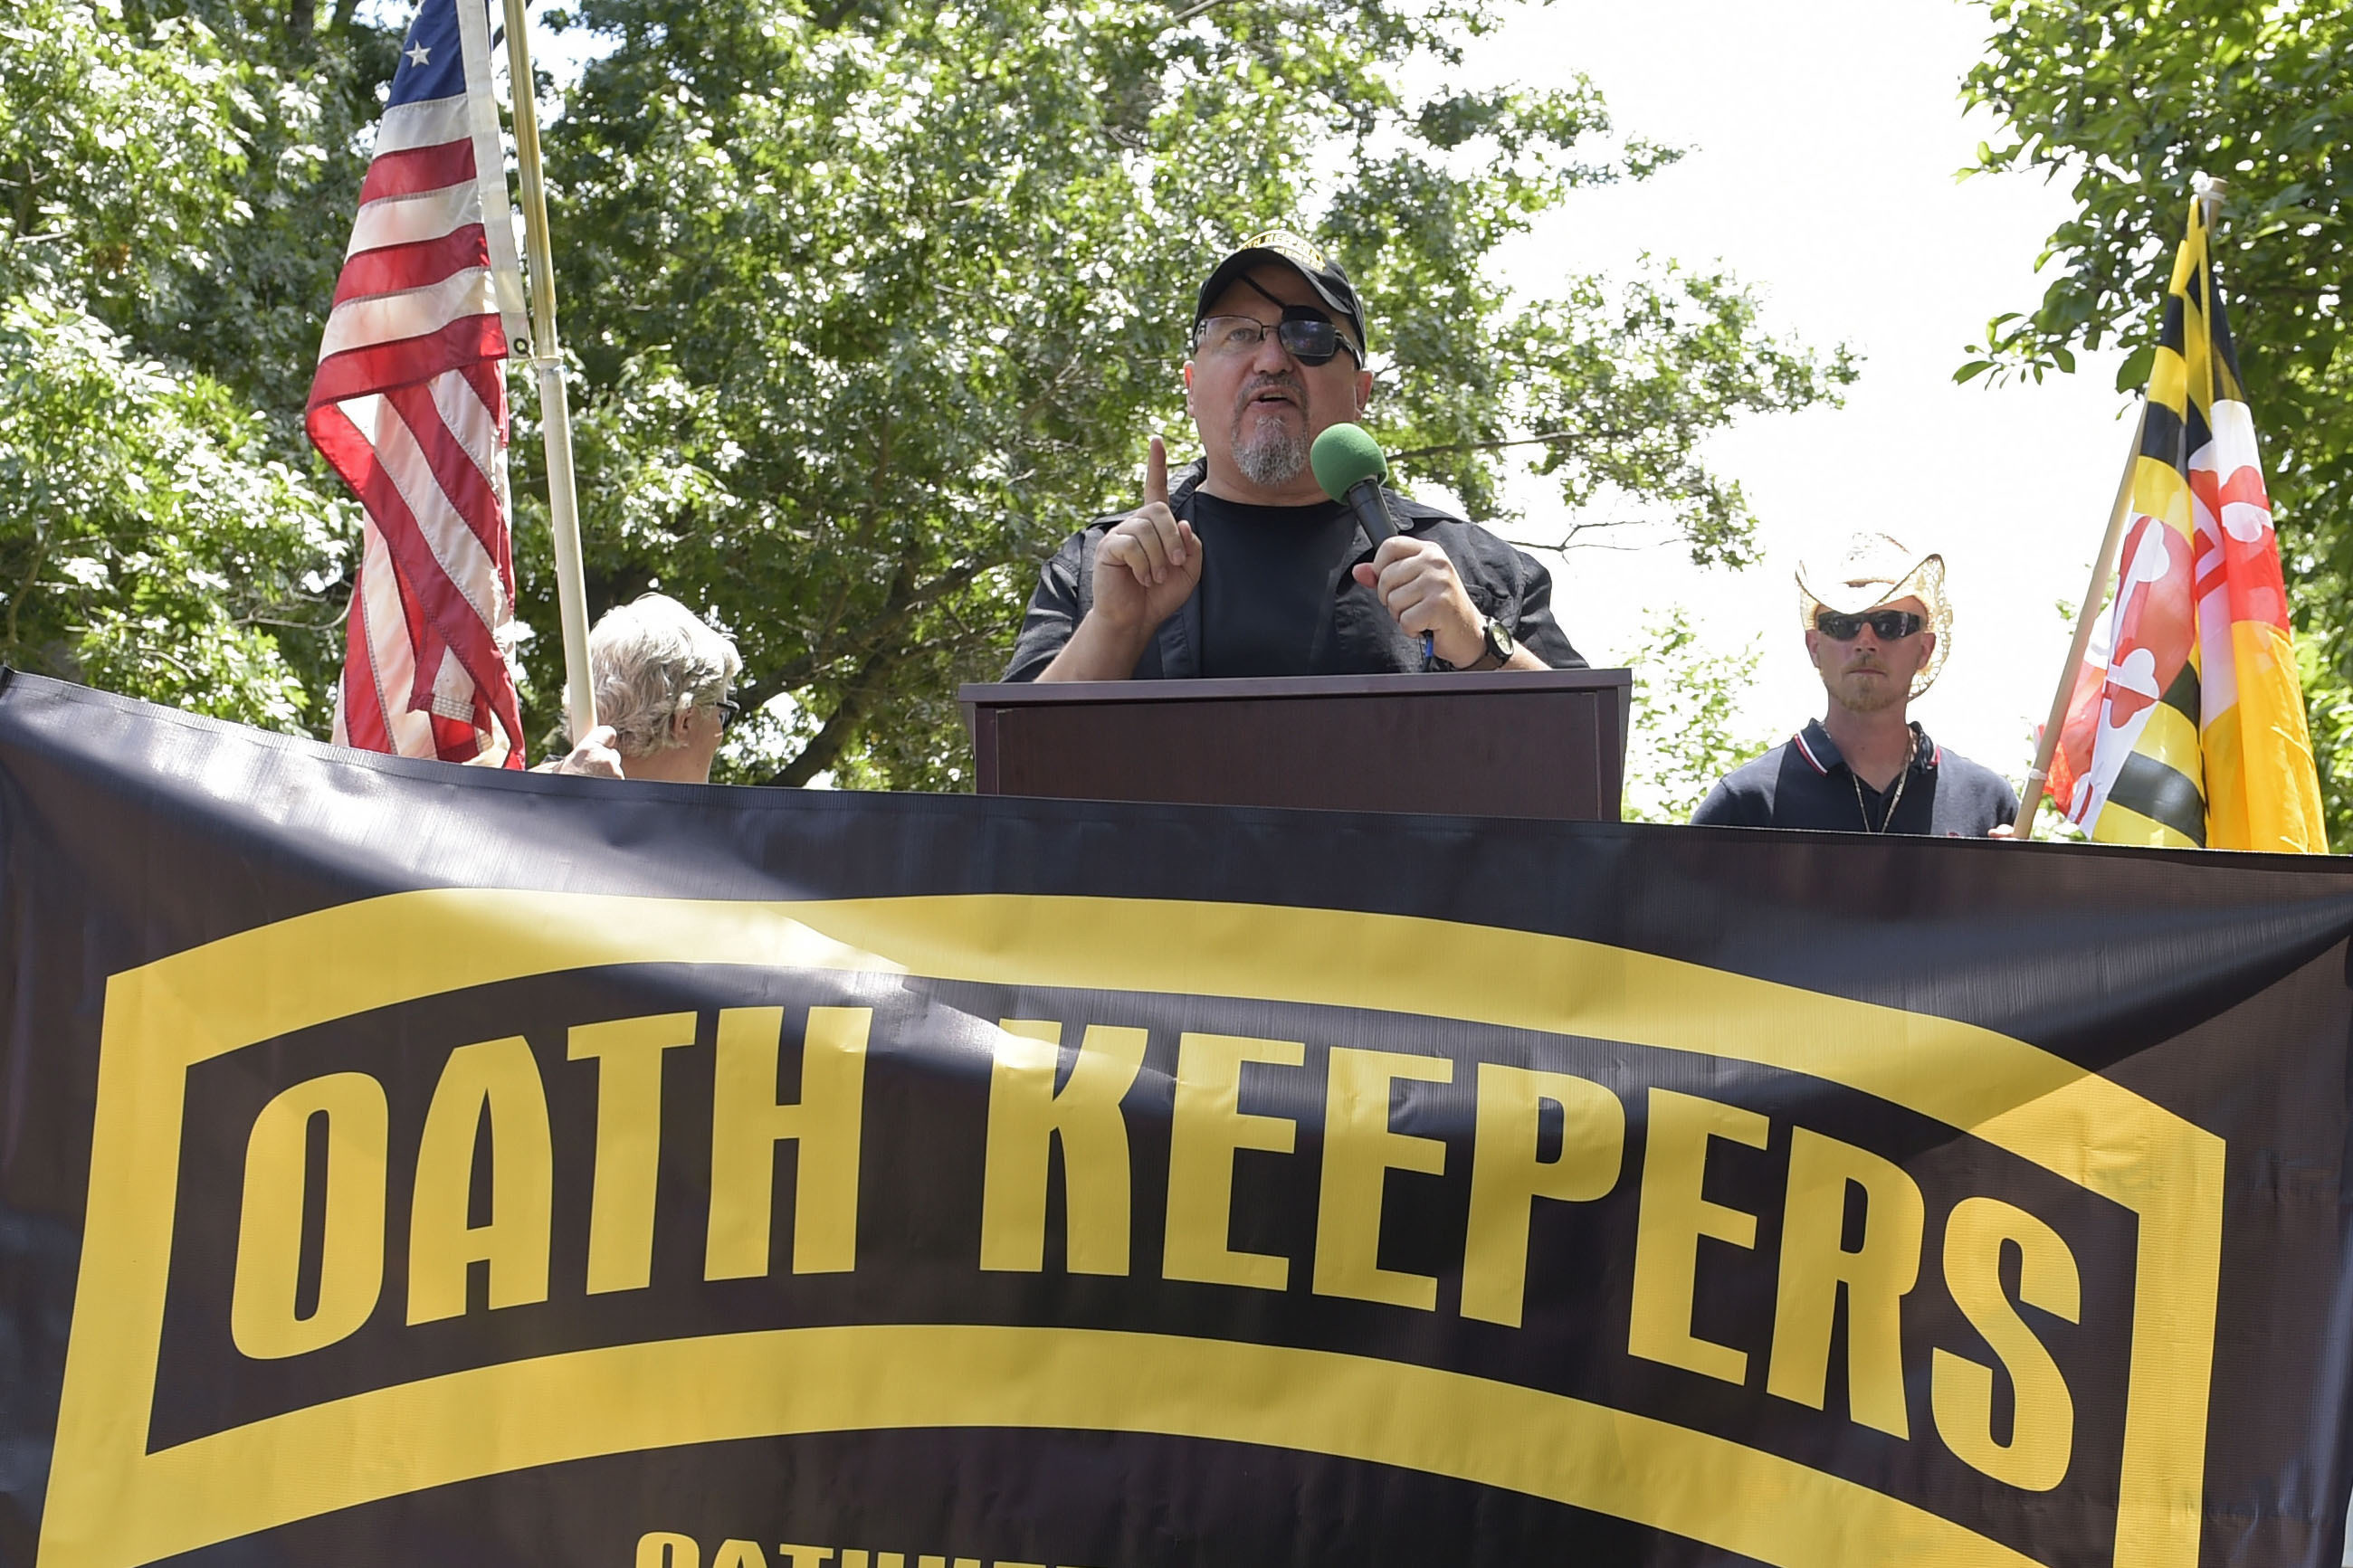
(1348, 464)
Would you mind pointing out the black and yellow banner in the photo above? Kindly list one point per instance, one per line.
(403, 1164)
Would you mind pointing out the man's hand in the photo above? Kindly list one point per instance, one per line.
(1149, 564)
(594, 757)
(1417, 583)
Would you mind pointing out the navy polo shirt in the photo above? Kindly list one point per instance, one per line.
(1805, 783)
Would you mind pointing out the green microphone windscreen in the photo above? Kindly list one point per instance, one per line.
(1344, 456)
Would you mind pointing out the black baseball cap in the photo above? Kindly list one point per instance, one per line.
(1280, 244)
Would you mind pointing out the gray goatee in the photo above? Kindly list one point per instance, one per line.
(1278, 454)
(1274, 459)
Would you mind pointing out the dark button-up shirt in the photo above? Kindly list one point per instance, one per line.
(1805, 783)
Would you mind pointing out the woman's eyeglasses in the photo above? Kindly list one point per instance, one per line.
(1886, 625)
(728, 709)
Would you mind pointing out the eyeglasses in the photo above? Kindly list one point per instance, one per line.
(1886, 625)
(727, 712)
(1311, 339)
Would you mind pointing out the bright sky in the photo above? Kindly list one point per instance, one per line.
(1823, 138)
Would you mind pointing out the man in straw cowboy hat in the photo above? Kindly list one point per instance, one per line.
(1878, 626)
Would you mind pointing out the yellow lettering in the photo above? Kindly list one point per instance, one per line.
(1876, 1277)
(501, 1075)
(1026, 1115)
(629, 1055)
(1960, 1391)
(1206, 1130)
(1673, 1218)
(739, 1554)
(747, 1124)
(1507, 1177)
(262, 1319)
(806, 1556)
(1359, 1150)
(661, 1549)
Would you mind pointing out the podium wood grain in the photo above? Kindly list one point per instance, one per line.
(1543, 744)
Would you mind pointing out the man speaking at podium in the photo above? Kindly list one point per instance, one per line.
(1244, 567)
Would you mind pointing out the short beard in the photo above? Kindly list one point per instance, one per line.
(1275, 458)
(1888, 693)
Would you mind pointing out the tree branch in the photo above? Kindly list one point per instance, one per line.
(1199, 8)
(1550, 438)
(32, 577)
(895, 614)
(825, 747)
(902, 602)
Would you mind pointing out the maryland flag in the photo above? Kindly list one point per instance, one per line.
(2186, 729)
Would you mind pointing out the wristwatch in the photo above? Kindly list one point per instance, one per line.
(1499, 648)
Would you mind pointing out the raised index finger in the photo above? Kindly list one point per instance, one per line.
(1156, 473)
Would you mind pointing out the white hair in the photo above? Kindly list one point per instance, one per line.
(651, 660)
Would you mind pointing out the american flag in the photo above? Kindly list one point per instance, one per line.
(409, 405)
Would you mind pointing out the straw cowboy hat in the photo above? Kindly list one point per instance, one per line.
(1870, 571)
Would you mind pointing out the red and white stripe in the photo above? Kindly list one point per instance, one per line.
(409, 405)
(1807, 751)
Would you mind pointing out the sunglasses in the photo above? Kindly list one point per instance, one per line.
(727, 712)
(1309, 339)
(1886, 625)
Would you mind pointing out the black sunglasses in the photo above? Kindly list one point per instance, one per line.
(727, 712)
(1886, 625)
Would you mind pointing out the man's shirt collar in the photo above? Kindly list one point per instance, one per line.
(1814, 744)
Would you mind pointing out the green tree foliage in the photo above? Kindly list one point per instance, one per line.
(157, 535)
(875, 301)
(2129, 103)
(872, 302)
(1687, 732)
(248, 310)
(149, 543)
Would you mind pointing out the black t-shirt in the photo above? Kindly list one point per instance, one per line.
(1269, 574)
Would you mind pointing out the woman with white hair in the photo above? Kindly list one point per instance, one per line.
(661, 677)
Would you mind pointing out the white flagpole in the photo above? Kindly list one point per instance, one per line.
(554, 406)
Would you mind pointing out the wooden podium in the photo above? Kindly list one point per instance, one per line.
(1548, 743)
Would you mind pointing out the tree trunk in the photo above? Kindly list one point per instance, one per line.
(825, 747)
